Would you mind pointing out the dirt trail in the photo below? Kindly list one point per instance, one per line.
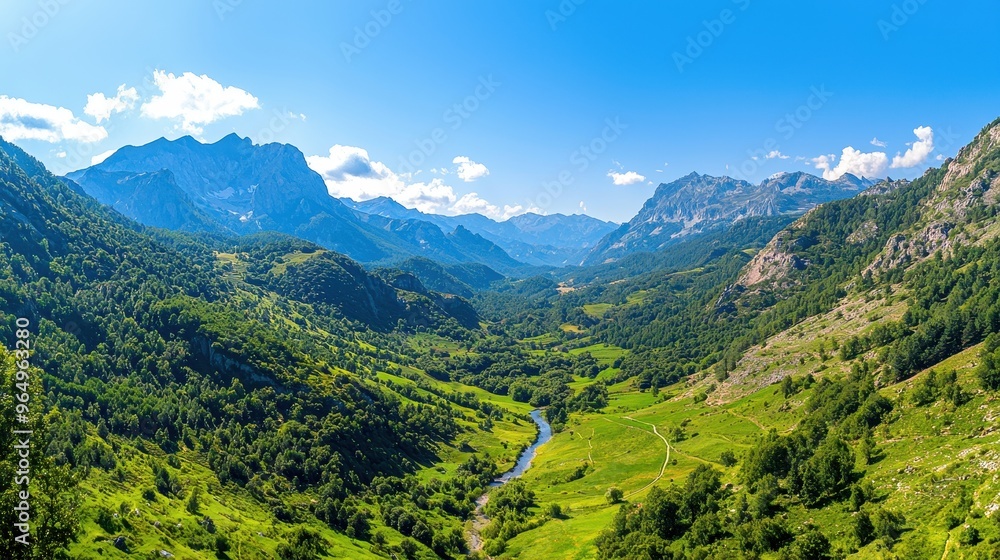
(746, 419)
(947, 543)
(666, 460)
(590, 442)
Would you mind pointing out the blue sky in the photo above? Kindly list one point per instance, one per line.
(502, 107)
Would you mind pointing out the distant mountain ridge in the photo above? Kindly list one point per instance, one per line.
(551, 239)
(696, 204)
(236, 186)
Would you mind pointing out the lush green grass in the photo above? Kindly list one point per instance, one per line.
(596, 310)
(571, 328)
(297, 257)
(426, 341)
(621, 450)
(637, 298)
(930, 456)
(482, 394)
(605, 354)
(546, 339)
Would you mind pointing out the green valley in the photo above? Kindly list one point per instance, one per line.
(560, 280)
(820, 388)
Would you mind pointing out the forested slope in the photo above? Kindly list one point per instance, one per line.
(168, 368)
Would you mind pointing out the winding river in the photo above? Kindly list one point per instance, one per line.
(479, 520)
(528, 455)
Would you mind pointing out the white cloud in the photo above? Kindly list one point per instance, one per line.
(874, 164)
(350, 172)
(879, 143)
(472, 203)
(855, 162)
(583, 206)
(61, 154)
(627, 178)
(918, 152)
(825, 163)
(775, 154)
(469, 170)
(99, 158)
(101, 106)
(195, 100)
(24, 120)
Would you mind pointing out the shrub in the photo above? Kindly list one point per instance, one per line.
(614, 495)
(728, 458)
(811, 545)
(969, 537)
(106, 520)
(222, 544)
(554, 511)
(194, 501)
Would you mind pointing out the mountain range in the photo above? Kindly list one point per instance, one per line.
(696, 204)
(551, 239)
(234, 186)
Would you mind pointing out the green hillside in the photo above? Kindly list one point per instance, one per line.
(831, 393)
(193, 403)
(815, 399)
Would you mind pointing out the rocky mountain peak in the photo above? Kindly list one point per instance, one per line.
(697, 203)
